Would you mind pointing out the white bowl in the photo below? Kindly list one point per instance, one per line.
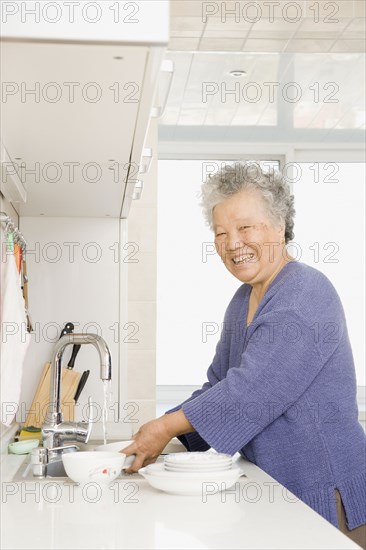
(114, 447)
(189, 484)
(90, 466)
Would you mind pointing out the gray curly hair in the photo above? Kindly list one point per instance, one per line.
(231, 179)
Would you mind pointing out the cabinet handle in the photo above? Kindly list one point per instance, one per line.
(148, 155)
(137, 192)
(167, 68)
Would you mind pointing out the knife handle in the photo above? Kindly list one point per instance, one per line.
(82, 382)
(75, 351)
(69, 327)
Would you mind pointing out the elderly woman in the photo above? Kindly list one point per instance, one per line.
(281, 389)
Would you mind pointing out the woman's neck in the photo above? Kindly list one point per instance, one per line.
(259, 289)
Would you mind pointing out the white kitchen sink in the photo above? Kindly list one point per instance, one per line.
(56, 471)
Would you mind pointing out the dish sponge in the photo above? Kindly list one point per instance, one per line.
(30, 433)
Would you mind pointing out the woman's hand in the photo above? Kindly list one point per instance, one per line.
(153, 437)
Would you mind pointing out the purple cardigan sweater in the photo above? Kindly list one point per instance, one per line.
(282, 392)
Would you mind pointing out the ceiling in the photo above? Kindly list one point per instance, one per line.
(337, 27)
(325, 58)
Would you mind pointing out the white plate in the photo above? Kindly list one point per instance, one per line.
(194, 468)
(158, 469)
(189, 484)
(203, 458)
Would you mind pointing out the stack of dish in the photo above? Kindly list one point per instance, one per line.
(193, 473)
(198, 462)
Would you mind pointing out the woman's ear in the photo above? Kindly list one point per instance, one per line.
(281, 232)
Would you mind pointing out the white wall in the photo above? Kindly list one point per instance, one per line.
(86, 282)
(84, 290)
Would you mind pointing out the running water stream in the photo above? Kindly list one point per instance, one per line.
(107, 392)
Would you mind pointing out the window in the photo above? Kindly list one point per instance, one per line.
(194, 288)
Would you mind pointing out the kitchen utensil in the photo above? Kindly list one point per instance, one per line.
(29, 433)
(91, 466)
(25, 294)
(70, 380)
(82, 382)
(189, 483)
(75, 351)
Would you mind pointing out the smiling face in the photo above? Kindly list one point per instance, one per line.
(248, 241)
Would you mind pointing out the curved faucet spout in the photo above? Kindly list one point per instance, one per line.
(96, 341)
(53, 433)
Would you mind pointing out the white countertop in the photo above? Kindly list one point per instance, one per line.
(255, 514)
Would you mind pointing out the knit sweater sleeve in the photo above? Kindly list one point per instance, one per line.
(278, 364)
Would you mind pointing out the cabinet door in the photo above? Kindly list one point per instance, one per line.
(69, 115)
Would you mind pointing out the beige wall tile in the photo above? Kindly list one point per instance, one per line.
(142, 229)
(142, 333)
(148, 198)
(141, 374)
(142, 224)
(142, 278)
(144, 410)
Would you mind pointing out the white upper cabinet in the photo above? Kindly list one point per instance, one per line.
(76, 106)
(128, 22)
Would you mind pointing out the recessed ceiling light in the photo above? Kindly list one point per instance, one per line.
(237, 74)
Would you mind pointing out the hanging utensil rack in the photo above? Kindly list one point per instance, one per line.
(18, 238)
(10, 227)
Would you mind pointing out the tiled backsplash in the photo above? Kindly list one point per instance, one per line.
(142, 231)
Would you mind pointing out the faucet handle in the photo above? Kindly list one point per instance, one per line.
(38, 462)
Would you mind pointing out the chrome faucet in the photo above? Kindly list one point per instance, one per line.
(55, 431)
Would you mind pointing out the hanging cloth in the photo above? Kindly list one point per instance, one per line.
(18, 256)
(14, 338)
